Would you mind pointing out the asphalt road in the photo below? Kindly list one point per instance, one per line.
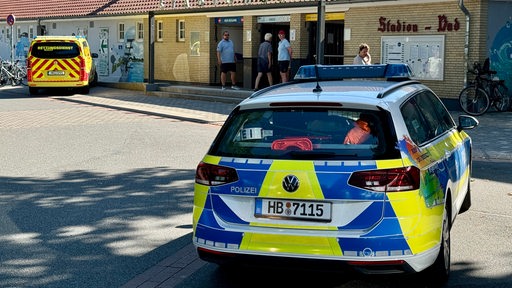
(91, 196)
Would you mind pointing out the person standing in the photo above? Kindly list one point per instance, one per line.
(227, 60)
(363, 57)
(284, 56)
(264, 61)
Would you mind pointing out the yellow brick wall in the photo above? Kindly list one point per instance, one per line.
(299, 46)
(250, 48)
(173, 59)
(364, 22)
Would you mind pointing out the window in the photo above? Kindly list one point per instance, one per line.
(31, 32)
(436, 116)
(297, 133)
(121, 32)
(140, 31)
(181, 30)
(414, 122)
(160, 31)
(55, 50)
(195, 44)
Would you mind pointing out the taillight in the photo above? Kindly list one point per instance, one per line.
(83, 73)
(213, 175)
(387, 180)
(29, 70)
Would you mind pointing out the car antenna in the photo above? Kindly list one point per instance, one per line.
(317, 89)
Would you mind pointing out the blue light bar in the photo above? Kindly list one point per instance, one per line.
(338, 72)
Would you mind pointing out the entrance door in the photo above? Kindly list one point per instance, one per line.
(333, 43)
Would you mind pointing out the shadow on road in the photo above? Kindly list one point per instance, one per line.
(88, 229)
(493, 170)
(292, 276)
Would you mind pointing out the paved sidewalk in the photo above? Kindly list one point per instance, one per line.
(492, 138)
(136, 101)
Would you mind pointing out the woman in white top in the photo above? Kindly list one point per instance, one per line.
(363, 58)
(284, 56)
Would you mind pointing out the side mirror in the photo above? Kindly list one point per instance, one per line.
(94, 55)
(467, 122)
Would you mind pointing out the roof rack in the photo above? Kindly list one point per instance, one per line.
(397, 71)
(390, 89)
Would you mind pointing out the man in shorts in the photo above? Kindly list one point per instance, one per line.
(227, 60)
(264, 61)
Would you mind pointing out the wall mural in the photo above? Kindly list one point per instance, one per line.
(127, 59)
(116, 62)
(500, 54)
(22, 47)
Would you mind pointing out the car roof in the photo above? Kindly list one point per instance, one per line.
(61, 38)
(345, 85)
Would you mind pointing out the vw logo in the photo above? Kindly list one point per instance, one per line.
(291, 183)
(55, 62)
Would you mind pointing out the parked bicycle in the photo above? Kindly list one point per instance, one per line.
(12, 73)
(483, 92)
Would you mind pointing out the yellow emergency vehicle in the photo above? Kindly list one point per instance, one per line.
(62, 62)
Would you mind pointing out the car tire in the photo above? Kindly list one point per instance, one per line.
(85, 90)
(440, 270)
(32, 90)
(94, 81)
(467, 201)
(466, 204)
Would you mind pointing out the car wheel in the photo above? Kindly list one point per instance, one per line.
(32, 90)
(85, 89)
(440, 270)
(467, 202)
(94, 81)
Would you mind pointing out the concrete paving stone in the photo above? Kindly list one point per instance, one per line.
(182, 274)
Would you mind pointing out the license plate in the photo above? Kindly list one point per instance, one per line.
(293, 209)
(56, 73)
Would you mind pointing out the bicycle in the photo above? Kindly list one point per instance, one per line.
(20, 72)
(12, 72)
(483, 92)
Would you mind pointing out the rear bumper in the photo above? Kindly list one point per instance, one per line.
(374, 267)
(62, 84)
(358, 252)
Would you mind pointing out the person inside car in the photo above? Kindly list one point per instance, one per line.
(361, 131)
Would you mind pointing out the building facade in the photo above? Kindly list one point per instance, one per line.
(175, 41)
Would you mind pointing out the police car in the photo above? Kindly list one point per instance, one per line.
(354, 164)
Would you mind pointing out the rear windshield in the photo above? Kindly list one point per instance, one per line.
(58, 50)
(309, 134)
